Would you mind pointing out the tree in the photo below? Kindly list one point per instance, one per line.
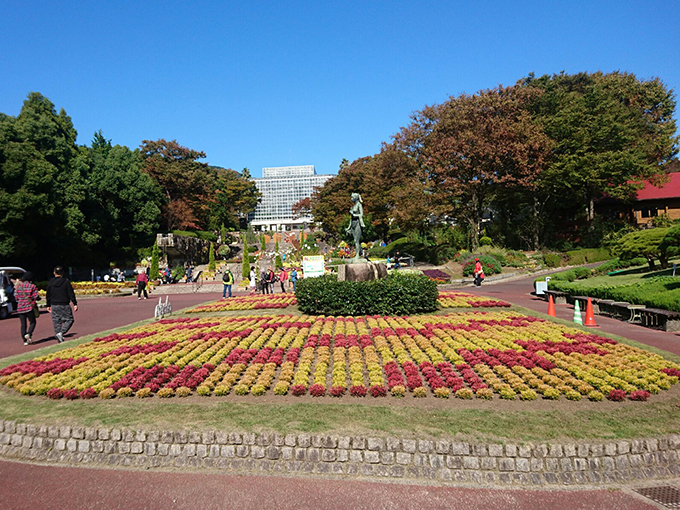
(302, 208)
(644, 243)
(41, 187)
(611, 132)
(277, 258)
(155, 255)
(245, 265)
(471, 147)
(235, 195)
(211, 258)
(187, 185)
(123, 204)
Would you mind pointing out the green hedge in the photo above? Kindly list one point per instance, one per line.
(397, 294)
(658, 292)
(587, 255)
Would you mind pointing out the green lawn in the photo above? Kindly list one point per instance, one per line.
(639, 285)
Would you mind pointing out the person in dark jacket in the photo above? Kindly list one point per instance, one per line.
(60, 295)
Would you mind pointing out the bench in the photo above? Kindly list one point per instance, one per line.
(559, 298)
(657, 318)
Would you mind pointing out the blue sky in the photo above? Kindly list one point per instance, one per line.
(256, 84)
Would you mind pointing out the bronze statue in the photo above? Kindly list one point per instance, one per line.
(357, 221)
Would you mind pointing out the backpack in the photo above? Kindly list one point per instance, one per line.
(227, 277)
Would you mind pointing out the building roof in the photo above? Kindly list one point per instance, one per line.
(669, 190)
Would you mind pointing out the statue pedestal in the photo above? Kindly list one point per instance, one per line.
(361, 271)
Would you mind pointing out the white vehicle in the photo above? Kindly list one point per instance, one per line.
(7, 302)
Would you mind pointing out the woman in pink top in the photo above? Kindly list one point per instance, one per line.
(141, 285)
(26, 294)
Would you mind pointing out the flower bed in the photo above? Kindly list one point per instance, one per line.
(255, 302)
(437, 275)
(463, 300)
(101, 287)
(466, 355)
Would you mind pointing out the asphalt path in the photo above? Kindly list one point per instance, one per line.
(94, 315)
(36, 487)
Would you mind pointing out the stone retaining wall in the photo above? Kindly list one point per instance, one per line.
(590, 462)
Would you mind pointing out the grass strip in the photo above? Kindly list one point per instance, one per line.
(616, 421)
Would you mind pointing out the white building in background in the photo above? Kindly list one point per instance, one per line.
(281, 188)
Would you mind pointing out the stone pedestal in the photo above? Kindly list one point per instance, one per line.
(361, 271)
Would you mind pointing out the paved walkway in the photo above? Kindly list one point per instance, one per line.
(95, 314)
(34, 487)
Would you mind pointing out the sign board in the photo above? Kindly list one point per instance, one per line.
(313, 265)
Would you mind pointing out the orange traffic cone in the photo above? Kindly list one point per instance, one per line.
(590, 316)
(551, 307)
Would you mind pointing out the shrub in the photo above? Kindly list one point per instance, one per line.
(490, 265)
(166, 393)
(485, 241)
(485, 393)
(337, 391)
(258, 390)
(107, 393)
(377, 391)
(55, 393)
(298, 389)
(125, 391)
(358, 391)
(617, 395)
(464, 393)
(595, 396)
(640, 395)
(420, 392)
(203, 390)
(398, 391)
(221, 390)
(587, 255)
(317, 390)
(553, 259)
(441, 392)
(88, 393)
(183, 391)
(397, 294)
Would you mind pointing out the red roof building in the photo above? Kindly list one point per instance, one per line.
(654, 201)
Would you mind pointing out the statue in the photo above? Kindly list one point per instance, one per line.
(357, 221)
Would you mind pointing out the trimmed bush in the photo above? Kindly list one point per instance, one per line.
(553, 260)
(490, 265)
(587, 255)
(397, 294)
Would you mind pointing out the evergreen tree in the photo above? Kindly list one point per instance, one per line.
(277, 260)
(155, 252)
(245, 266)
(211, 258)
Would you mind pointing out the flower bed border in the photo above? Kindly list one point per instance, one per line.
(442, 461)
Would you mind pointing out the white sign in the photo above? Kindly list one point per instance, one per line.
(313, 265)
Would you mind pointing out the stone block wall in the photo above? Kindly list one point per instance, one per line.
(443, 461)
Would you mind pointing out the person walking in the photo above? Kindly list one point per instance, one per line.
(293, 278)
(227, 281)
(283, 278)
(141, 285)
(60, 295)
(264, 281)
(479, 273)
(252, 280)
(271, 279)
(26, 294)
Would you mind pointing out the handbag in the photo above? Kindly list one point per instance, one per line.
(36, 311)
